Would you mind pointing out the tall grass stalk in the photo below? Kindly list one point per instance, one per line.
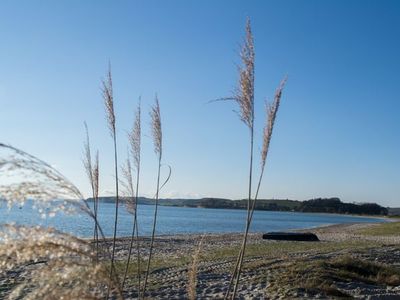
(110, 114)
(134, 138)
(244, 96)
(157, 138)
(92, 171)
(271, 112)
(96, 176)
(193, 270)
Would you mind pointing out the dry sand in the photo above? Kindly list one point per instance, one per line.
(213, 275)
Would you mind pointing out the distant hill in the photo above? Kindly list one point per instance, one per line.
(334, 205)
(325, 205)
(394, 211)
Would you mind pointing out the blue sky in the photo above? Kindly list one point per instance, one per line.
(337, 131)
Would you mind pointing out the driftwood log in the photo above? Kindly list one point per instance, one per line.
(291, 236)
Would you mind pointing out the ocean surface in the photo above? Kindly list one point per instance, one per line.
(175, 220)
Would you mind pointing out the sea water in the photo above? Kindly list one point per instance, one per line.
(175, 220)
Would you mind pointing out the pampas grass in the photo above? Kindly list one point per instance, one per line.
(134, 137)
(60, 260)
(24, 176)
(193, 270)
(92, 172)
(108, 98)
(53, 264)
(271, 112)
(244, 96)
(157, 140)
(31, 178)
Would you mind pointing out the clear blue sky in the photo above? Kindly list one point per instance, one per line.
(337, 132)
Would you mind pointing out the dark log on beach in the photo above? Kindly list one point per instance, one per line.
(291, 236)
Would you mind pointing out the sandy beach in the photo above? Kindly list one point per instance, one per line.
(265, 261)
(331, 268)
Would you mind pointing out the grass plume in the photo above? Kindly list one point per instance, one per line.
(108, 98)
(245, 92)
(53, 264)
(193, 270)
(25, 176)
(244, 96)
(92, 172)
(134, 138)
(271, 112)
(60, 260)
(157, 140)
(156, 128)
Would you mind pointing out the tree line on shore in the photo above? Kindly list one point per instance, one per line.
(319, 205)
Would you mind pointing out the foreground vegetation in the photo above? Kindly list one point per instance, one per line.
(338, 266)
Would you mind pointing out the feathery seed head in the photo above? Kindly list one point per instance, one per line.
(127, 185)
(108, 97)
(127, 182)
(96, 175)
(87, 157)
(135, 137)
(58, 263)
(24, 176)
(244, 94)
(271, 111)
(156, 127)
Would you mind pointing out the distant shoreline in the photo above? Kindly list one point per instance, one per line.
(326, 227)
(317, 205)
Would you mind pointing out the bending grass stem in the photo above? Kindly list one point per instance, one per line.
(154, 227)
(134, 230)
(116, 205)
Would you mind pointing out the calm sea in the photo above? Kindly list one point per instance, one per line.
(176, 220)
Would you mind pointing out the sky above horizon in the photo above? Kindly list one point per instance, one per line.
(337, 130)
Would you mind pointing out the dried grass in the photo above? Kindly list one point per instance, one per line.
(156, 127)
(157, 139)
(108, 98)
(134, 138)
(244, 96)
(53, 264)
(92, 172)
(24, 176)
(193, 270)
(271, 111)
